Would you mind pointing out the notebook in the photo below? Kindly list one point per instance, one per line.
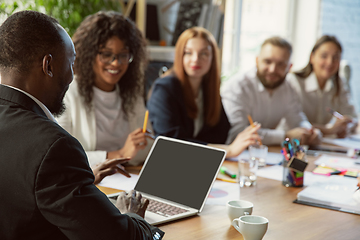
(178, 173)
(333, 192)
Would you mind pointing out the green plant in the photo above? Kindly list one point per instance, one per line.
(69, 13)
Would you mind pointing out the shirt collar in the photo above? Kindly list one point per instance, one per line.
(260, 86)
(41, 105)
(311, 84)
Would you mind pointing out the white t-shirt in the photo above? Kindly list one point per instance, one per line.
(112, 128)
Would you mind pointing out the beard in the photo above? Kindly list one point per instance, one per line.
(58, 108)
(270, 85)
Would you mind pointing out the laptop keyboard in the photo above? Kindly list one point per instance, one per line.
(164, 209)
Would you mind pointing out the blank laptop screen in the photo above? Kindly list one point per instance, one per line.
(182, 173)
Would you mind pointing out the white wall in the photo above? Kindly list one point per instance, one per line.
(301, 22)
(260, 19)
(305, 31)
(342, 19)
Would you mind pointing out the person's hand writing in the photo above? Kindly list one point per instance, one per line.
(315, 137)
(352, 126)
(132, 202)
(247, 137)
(340, 127)
(300, 133)
(109, 167)
(134, 142)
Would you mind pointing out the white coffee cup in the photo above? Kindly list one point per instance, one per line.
(251, 227)
(238, 208)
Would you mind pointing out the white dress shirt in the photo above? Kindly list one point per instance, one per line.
(244, 94)
(316, 101)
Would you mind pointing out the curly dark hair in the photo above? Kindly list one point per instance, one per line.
(92, 35)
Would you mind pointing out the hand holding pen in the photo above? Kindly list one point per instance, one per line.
(253, 125)
(136, 140)
(340, 127)
(144, 129)
(245, 138)
(358, 185)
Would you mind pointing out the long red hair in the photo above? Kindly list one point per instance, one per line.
(210, 82)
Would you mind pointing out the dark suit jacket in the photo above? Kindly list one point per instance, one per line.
(46, 184)
(167, 112)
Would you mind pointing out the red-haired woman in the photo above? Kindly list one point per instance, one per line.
(186, 102)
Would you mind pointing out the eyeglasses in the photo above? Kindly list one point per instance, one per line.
(109, 57)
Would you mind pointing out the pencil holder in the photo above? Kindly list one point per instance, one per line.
(292, 178)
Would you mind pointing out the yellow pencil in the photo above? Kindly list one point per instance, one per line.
(252, 124)
(251, 121)
(226, 180)
(145, 121)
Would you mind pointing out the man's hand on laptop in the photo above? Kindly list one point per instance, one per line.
(132, 202)
(110, 167)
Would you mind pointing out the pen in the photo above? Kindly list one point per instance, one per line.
(226, 180)
(121, 169)
(252, 124)
(337, 172)
(150, 135)
(224, 170)
(145, 121)
(123, 172)
(335, 113)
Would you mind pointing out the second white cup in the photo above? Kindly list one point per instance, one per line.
(251, 227)
(238, 208)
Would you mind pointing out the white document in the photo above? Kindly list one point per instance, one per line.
(349, 142)
(119, 181)
(222, 192)
(276, 173)
(355, 137)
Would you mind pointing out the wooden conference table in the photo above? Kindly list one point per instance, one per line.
(287, 220)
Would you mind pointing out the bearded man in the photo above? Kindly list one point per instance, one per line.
(264, 94)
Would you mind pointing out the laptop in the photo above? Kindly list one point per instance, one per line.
(178, 174)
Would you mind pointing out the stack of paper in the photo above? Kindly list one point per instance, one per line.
(348, 142)
(334, 192)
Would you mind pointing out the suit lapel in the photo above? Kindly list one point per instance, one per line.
(13, 96)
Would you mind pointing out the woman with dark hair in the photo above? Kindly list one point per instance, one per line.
(322, 91)
(104, 104)
(186, 103)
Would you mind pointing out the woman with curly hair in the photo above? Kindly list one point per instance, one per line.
(186, 102)
(104, 104)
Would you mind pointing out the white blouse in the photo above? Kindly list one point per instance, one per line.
(315, 101)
